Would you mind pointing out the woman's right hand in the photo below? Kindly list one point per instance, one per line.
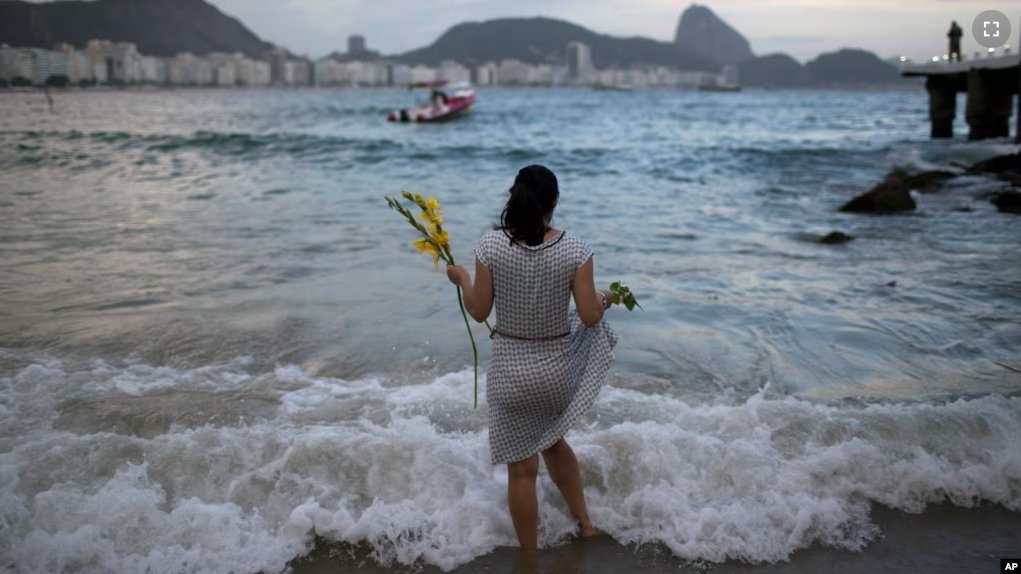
(458, 276)
(609, 298)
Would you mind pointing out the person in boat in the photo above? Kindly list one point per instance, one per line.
(438, 98)
(547, 363)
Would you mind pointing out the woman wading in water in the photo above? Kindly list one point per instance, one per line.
(547, 363)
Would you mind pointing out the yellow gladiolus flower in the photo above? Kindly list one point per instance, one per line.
(436, 242)
(432, 217)
(426, 246)
(441, 238)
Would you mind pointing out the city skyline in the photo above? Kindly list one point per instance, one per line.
(802, 28)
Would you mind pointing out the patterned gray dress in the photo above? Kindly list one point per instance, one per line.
(547, 368)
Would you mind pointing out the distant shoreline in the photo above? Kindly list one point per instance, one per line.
(296, 89)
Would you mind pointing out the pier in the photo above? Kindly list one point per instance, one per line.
(990, 82)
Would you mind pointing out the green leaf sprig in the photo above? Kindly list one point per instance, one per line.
(622, 296)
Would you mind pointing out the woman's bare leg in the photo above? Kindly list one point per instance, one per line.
(563, 469)
(524, 506)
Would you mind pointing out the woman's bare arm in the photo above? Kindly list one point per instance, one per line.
(587, 299)
(478, 298)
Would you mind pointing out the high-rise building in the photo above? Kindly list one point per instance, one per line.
(453, 72)
(297, 73)
(80, 64)
(15, 63)
(513, 72)
(121, 59)
(398, 74)
(355, 45)
(46, 63)
(729, 76)
(153, 70)
(182, 70)
(277, 66)
(579, 61)
(261, 75)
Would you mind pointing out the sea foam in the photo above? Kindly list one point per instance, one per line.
(403, 466)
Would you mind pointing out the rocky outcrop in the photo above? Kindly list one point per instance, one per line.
(1009, 202)
(703, 31)
(1006, 167)
(894, 193)
(925, 182)
(890, 196)
(999, 164)
(836, 238)
(884, 198)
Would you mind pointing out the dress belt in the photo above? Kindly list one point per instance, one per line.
(515, 337)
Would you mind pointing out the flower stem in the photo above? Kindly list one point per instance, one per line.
(450, 259)
(475, 350)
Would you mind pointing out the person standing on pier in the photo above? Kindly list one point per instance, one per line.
(955, 41)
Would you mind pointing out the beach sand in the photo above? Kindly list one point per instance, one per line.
(945, 540)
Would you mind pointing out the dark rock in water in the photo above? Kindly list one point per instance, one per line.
(836, 238)
(892, 195)
(927, 181)
(998, 164)
(964, 209)
(1013, 177)
(892, 284)
(1009, 202)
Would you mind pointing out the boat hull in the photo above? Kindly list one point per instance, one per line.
(455, 107)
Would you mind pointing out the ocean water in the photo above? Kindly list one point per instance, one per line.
(217, 343)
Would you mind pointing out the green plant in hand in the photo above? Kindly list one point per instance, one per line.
(622, 296)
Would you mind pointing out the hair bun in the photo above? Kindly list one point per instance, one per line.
(539, 178)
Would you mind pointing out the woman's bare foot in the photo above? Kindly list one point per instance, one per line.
(588, 531)
(525, 562)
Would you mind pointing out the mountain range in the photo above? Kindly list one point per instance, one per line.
(543, 41)
(703, 41)
(158, 27)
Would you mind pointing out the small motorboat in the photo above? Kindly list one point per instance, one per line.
(443, 105)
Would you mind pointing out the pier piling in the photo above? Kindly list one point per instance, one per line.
(988, 109)
(990, 84)
(942, 106)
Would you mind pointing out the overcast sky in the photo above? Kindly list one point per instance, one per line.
(801, 28)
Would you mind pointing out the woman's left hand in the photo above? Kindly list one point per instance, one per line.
(458, 275)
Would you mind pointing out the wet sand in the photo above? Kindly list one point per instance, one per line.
(945, 540)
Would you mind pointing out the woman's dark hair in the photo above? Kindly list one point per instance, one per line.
(533, 197)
